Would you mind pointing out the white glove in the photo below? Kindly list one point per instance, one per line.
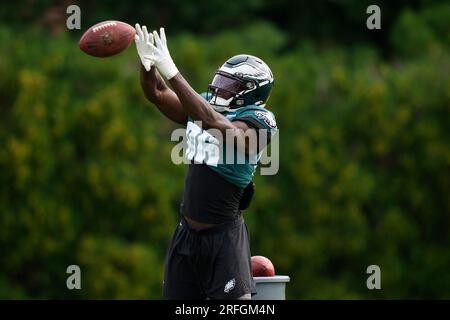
(144, 46)
(161, 56)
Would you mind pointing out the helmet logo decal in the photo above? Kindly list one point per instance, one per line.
(267, 118)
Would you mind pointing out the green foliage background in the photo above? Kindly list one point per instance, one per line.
(86, 176)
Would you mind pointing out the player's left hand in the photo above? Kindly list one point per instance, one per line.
(161, 56)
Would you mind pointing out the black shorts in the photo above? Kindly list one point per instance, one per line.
(212, 263)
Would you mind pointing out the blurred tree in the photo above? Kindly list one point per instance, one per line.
(86, 176)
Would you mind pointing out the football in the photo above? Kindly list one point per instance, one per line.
(107, 38)
(262, 267)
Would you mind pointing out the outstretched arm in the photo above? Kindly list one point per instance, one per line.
(193, 104)
(200, 109)
(154, 87)
(157, 92)
(197, 107)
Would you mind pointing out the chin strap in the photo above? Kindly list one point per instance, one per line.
(219, 104)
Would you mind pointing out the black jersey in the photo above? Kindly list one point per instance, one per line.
(208, 197)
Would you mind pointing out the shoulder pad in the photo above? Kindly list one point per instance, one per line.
(262, 116)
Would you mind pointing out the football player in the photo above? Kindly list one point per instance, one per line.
(209, 255)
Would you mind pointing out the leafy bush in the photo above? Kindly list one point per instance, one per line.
(87, 177)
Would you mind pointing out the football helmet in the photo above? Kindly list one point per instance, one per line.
(241, 81)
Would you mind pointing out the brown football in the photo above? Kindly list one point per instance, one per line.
(262, 267)
(107, 38)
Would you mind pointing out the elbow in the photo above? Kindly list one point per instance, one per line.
(152, 94)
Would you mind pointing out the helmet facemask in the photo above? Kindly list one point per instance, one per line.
(226, 90)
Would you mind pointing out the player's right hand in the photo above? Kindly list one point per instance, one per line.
(144, 46)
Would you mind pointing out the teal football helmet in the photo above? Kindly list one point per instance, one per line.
(241, 81)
